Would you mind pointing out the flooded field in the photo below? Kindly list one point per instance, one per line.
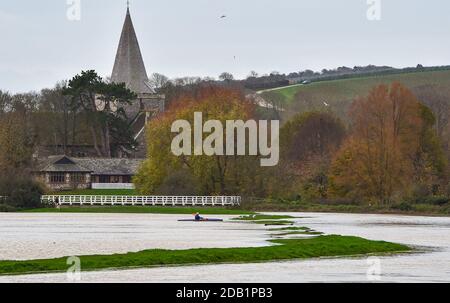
(42, 236)
(25, 236)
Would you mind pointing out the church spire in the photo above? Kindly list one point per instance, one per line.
(129, 66)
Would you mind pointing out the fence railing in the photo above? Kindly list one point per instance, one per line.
(142, 200)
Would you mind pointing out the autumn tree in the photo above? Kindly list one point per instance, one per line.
(16, 142)
(212, 174)
(308, 143)
(378, 161)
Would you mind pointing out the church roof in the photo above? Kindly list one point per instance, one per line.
(129, 66)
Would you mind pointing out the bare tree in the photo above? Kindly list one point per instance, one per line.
(158, 81)
(226, 76)
(253, 74)
(5, 102)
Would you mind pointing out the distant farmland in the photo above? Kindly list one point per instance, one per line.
(337, 95)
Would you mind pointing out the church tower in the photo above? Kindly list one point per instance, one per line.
(129, 67)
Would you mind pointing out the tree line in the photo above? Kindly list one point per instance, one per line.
(390, 149)
(392, 146)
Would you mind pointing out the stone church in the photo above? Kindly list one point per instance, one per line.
(79, 168)
(129, 68)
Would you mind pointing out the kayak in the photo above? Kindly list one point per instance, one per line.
(204, 220)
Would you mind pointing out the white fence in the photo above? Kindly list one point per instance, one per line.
(141, 200)
(113, 186)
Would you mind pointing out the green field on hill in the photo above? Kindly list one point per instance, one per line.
(339, 94)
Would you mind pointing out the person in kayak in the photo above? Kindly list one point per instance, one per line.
(198, 217)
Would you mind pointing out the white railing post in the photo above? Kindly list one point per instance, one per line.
(144, 200)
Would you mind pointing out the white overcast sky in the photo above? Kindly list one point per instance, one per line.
(40, 46)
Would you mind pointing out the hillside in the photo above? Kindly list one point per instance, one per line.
(337, 95)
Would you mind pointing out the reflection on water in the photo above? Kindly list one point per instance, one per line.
(433, 265)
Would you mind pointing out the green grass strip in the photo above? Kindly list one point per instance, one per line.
(288, 231)
(257, 217)
(273, 222)
(292, 229)
(287, 249)
(307, 233)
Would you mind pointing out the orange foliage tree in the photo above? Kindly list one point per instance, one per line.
(164, 173)
(379, 159)
(308, 143)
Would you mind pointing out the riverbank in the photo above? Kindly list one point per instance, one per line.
(434, 207)
(286, 249)
(407, 209)
(254, 208)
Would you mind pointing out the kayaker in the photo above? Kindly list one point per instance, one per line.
(198, 217)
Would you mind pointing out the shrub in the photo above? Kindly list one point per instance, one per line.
(437, 200)
(179, 183)
(4, 208)
(404, 206)
(20, 190)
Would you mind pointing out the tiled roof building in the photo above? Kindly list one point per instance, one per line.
(65, 173)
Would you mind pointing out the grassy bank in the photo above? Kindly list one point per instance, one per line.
(323, 246)
(291, 231)
(253, 208)
(144, 210)
(411, 209)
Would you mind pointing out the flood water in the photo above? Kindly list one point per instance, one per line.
(30, 236)
(43, 236)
